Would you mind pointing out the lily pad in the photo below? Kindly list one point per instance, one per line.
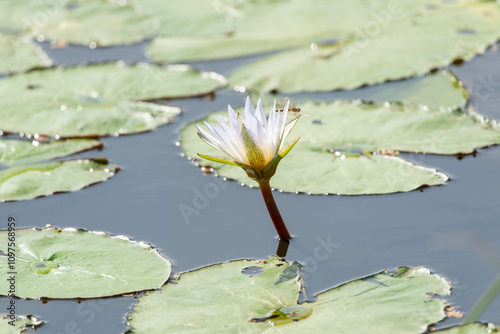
(222, 299)
(99, 100)
(183, 49)
(353, 172)
(394, 126)
(218, 297)
(472, 328)
(79, 264)
(20, 324)
(341, 145)
(242, 28)
(190, 17)
(391, 46)
(15, 152)
(104, 23)
(18, 54)
(28, 182)
(422, 91)
(355, 44)
(17, 17)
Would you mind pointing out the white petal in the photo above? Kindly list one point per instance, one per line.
(235, 141)
(261, 139)
(248, 108)
(288, 128)
(281, 125)
(227, 142)
(260, 114)
(209, 139)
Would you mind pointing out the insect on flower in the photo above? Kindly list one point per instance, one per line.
(293, 112)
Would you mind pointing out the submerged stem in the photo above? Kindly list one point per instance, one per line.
(278, 222)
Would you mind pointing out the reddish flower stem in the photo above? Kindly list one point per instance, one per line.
(278, 222)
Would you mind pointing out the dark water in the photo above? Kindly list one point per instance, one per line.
(338, 238)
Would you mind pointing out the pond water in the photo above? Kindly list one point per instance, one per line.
(451, 229)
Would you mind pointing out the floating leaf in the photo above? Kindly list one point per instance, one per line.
(321, 172)
(28, 182)
(17, 17)
(71, 263)
(472, 328)
(395, 127)
(422, 91)
(419, 91)
(182, 49)
(241, 28)
(15, 152)
(218, 298)
(355, 44)
(407, 42)
(19, 54)
(104, 23)
(98, 100)
(322, 161)
(190, 17)
(20, 323)
(222, 299)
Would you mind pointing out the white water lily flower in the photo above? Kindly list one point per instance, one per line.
(254, 143)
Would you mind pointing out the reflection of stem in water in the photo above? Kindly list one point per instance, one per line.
(484, 301)
(282, 248)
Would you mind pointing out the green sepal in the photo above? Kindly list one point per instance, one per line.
(224, 161)
(270, 168)
(252, 173)
(219, 159)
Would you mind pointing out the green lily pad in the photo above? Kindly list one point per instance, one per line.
(241, 28)
(222, 299)
(71, 263)
(15, 152)
(218, 297)
(18, 54)
(17, 17)
(182, 49)
(190, 17)
(99, 100)
(355, 44)
(321, 172)
(381, 303)
(20, 324)
(394, 126)
(419, 91)
(43, 179)
(323, 160)
(472, 328)
(412, 41)
(104, 23)
(422, 91)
